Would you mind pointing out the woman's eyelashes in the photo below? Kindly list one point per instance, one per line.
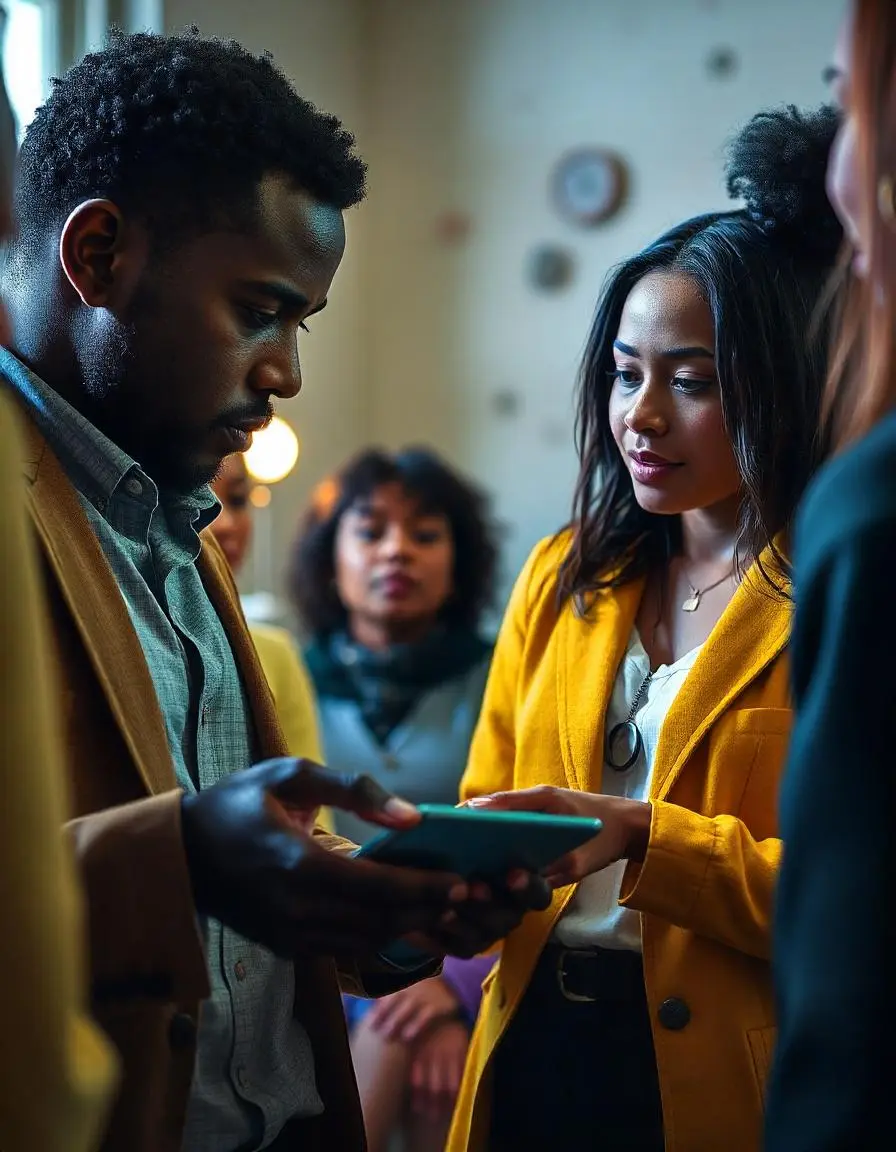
(631, 379)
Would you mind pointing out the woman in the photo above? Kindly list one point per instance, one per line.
(285, 672)
(834, 925)
(640, 676)
(393, 568)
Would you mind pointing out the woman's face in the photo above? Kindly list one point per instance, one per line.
(665, 403)
(394, 563)
(233, 526)
(844, 185)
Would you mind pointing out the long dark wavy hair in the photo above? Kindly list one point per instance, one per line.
(762, 270)
(425, 477)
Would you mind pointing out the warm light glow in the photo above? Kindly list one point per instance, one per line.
(260, 496)
(274, 452)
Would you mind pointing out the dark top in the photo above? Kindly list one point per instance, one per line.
(832, 1083)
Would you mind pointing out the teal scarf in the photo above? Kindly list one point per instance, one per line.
(386, 685)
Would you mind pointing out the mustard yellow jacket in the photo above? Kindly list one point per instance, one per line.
(705, 887)
(57, 1070)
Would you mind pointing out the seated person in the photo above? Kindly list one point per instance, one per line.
(392, 569)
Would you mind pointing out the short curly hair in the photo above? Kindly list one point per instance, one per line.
(179, 130)
(439, 489)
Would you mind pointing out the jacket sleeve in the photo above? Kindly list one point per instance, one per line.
(58, 1070)
(709, 875)
(142, 928)
(831, 1085)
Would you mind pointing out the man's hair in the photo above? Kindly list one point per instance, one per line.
(178, 130)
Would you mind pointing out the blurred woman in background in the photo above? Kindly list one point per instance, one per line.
(392, 571)
(641, 677)
(835, 928)
(283, 667)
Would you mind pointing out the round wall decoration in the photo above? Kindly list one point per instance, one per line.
(588, 185)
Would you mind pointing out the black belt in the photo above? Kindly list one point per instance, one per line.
(593, 975)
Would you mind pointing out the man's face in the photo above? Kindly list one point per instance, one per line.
(185, 365)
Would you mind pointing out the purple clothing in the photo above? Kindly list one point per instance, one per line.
(464, 978)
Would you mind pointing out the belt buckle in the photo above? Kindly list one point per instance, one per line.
(574, 997)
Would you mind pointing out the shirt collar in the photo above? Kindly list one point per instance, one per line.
(99, 469)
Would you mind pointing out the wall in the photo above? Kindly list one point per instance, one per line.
(319, 45)
(465, 105)
(471, 104)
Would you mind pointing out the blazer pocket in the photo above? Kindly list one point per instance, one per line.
(762, 1050)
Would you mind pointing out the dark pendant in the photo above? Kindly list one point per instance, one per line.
(624, 744)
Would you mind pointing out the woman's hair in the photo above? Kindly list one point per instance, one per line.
(438, 489)
(862, 382)
(761, 270)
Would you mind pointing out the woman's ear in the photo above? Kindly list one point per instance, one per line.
(91, 251)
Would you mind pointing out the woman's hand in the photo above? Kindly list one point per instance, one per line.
(624, 836)
(406, 1014)
(438, 1068)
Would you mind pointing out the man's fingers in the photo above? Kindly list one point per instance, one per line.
(382, 885)
(306, 784)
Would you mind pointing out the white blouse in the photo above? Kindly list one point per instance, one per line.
(594, 918)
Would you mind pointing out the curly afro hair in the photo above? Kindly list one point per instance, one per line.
(179, 130)
(438, 489)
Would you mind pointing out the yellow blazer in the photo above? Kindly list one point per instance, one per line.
(291, 688)
(57, 1070)
(147, 964)
(705, 887)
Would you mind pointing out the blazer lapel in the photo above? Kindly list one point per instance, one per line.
(590, 651)
(99, 611)
(218, 582)
(752, 632)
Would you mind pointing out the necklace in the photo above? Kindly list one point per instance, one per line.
(625, 742)
(692, 603)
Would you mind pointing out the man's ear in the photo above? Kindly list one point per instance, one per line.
(92, 251)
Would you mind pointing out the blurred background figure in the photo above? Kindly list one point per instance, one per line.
(835, 928)
(392, 570)
(280, 659)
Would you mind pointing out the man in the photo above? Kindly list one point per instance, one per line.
(57, 1072)
(180, 220)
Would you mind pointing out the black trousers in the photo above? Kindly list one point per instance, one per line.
(576, 1074)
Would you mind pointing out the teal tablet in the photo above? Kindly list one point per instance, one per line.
(480, 843)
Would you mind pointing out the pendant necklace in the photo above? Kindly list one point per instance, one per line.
(625, 742)
(692, 603)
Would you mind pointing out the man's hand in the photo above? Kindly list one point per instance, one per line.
(255, 866)
(406, 1014)
(624, 836)
(490, 913)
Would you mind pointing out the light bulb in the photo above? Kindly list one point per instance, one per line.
(273, 453)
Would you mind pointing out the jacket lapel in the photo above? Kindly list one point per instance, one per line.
(753, 630)
(590, 650)
(218, 581)
(751, 633)
(89, 588)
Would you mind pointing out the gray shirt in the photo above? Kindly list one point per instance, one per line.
(254, 1066)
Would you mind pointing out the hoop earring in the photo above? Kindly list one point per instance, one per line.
(886, 200)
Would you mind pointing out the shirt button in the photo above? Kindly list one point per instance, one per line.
(133, 485)
(242, 1078)
(239, 970)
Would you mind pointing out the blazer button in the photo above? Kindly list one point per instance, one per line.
(674, 1014)
(181, 1031)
